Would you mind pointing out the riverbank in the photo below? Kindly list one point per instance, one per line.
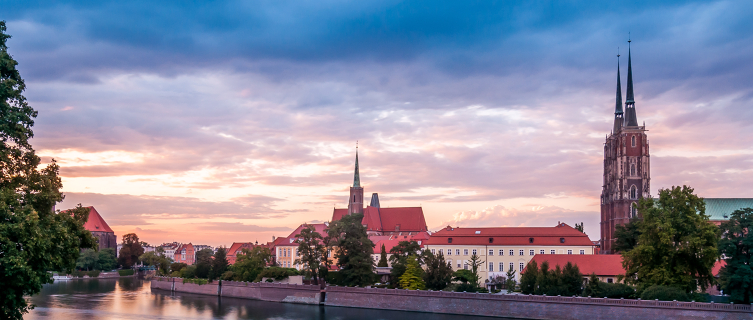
(513, 306)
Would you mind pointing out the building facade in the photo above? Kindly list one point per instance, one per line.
(626, 165)
(286, 249)
(506, 248)
(185, 253)
(100, 230)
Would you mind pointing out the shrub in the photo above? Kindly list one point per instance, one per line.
(93, 273)
(196, 281)
(277, 273)
(228, 276)
(467, 287)
(78, 273)
(617, 290)
(665, 293)
(125, 272)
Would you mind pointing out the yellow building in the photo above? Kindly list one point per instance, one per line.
(286, 249)
(505, 248)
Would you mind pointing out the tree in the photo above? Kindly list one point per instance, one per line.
(312, 252)
(677, 245)
(475, 263)
(579, 227)
(354, 250)
(87, 260)
(131, 250)
(543, 279)
(438, 271)
(593, 288)
(627, 235)
(736, 245)
(511, 283)
(219, 264)
(399, 258)
(383, 259)
(572, 280)
(528, 278)
(250, 263)
(204, 263)
(106, 259)
(412, 278)
(34, 238)
(177, 266)
(465, 277)
(156, 258)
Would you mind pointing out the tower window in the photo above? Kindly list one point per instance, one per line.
(632, 169)
(633, 192)
(632, 141)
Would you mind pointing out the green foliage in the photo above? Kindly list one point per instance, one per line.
(93, 260)
(528, 278)
(276, 273)
(228, 276)
(195, 281)
(158, 259)
(438, 272)
(34, 238)
(736, 277)
(627, 235)
(188, 272)
(399, 259)
(249, 263)
(354, 250)
(131, 250)
(462, 275)
(125, 272)
(312, 252)
(475, 263)
(677, 245)
(87, 260)
(465, 287)
(664, 293)
(177, 266)
(93, 273)
(203, 263)
(597, 288)
(579, 227)
(383, 259)
(510, 283)
(572, 280)
(106, 259)
(219, 264)
(412, 278)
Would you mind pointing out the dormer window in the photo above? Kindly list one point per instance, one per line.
(562, 240)
(530, 240)
(449, 240)
(478, 232)
(491, 240)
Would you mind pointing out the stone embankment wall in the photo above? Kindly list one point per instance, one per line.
(530, 307)
(512, 306)
(306, 294)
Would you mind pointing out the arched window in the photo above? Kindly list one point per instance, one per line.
(633, 192)
(633, 140)
(632, 170)
(633, 211)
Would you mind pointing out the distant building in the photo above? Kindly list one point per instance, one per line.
(199, 247)
(607, 267)
(720, 209)
(237, 248)
(393, 240)
(100, 230)
(185, 253)
(286, 249)
(169, 249)
(506, 248)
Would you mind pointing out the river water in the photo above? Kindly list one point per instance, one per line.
(130, 298)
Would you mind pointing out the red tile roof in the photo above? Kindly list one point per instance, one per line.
(407, 219)
(95, 222)
(718, 267)
(393, 240)
(600, 264)
(318, 227)
(337, 214)
(235, 249)
(549, 236)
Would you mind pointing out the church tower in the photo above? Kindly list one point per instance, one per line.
(355, 202)
(626, 165)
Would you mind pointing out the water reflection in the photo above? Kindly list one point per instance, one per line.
(130, 298)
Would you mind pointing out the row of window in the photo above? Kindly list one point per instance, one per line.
(466, 266)
(448, 252)
(288, 252)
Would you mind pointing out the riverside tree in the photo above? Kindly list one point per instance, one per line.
(438, 272)
(354, 250)
(34, 238)
(204, 263)
(312, 252)
(131, 250)
(383, 259)
(736, 276)
(677, 245)
(475, 263)
(399, 258)
(249, 264)
(528, 278)
(219, 264)
(412, 278)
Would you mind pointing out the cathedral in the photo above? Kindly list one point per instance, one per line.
(626, 164)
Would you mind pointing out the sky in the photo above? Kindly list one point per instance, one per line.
(232, 121)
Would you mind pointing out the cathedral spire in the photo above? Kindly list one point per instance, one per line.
(356, 176)
(618, 103)
(631, 119)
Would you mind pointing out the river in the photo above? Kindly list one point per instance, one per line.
(130, 298)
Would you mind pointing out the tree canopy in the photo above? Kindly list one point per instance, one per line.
(736, 245)
(354, 250)
(130, 251)
(250, 263)
(399, 259)
(34, 238)
(312, 252)
(677, 245)
(438, 271)
(412, 278)
(219, 264)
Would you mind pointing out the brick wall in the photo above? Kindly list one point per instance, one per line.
(307, 294)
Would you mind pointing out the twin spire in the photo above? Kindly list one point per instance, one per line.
(629, 119)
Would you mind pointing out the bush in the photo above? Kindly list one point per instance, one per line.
(125, 272)
(664, 293)
(228, 276)
(277, 273)
(93, 273)
(617, 290)
(196, 281)
(467, 287)
(78, 273)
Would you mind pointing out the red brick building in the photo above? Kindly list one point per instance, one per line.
(185, 253)
(626, 165)
(98, 227)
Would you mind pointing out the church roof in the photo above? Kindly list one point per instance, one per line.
(95, 223)
(721, 208)
(401, 219)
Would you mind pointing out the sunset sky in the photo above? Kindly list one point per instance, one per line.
(224, 122)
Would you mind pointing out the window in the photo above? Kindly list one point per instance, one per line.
(632, 142)
(465, 265)
(551, 251)
(609, 280)
(449, 240)
(520, 252)
(521, 266)
(501, 252)
(512, 266)
(569, 251)
(541, 251)
(183, 256)
(530, 252)
(491, 252)
(501, 266)
(633, 192)
(491, 266)
(297, 254)
(491, 240)
(562, 240)
(583, 252)
(632, 170)
(474, 251)
(530, 240)
(329, 253)
(433, 251)
(457, 252)
(465, 252)
(634, 211)
(449, 252)
(512, 252)
(458, 264)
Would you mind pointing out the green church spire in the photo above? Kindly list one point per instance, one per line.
(356, 176)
